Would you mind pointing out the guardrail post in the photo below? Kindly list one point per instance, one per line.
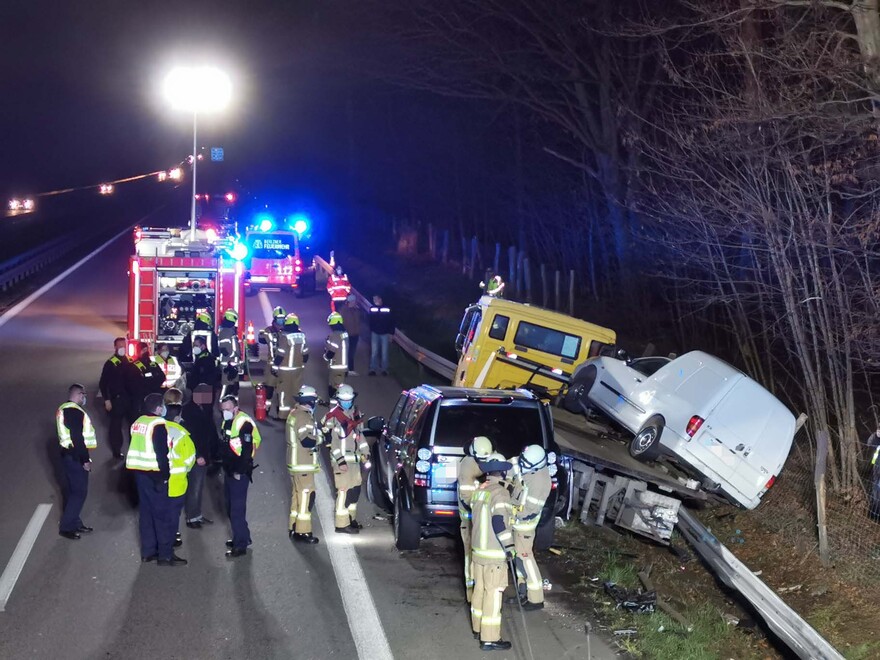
(558, 291)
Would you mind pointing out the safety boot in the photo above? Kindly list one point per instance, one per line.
(303, 538)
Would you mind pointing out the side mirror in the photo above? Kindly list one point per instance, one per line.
(459, 342)
(374, 426)
(622, 355)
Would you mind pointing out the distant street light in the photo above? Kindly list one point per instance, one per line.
(195, 90)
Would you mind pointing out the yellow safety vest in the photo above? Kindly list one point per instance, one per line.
(233, 433)
(91, 439)
(171, 369)
(141, 455)
(181, 458)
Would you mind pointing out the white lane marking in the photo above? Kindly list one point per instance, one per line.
(14, 311)
(360, 610)
(21, 552)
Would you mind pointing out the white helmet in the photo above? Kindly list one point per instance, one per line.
(533, 458)
(344, 393)
(481, 447)
(307, 395)
(495, 462)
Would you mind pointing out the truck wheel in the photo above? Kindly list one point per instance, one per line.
(576, 400)
(544, 533)
(407, 530)
(375, 492)
(645, 446)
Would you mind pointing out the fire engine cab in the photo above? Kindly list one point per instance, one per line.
(172, 278)
(278, 261)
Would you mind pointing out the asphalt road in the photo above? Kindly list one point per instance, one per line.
(93, 598)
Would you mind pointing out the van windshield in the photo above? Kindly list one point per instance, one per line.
(510, 427)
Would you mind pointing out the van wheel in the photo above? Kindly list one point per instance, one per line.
(407, 530)
(576, 400)
(646, 445)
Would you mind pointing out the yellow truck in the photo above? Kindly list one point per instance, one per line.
(504, 344)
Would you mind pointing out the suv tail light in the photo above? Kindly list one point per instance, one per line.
(694, 425)
(420, 480)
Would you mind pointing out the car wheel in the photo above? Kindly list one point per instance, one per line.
(375, 491)
(645, 446)
(407, 530)
(576, 399)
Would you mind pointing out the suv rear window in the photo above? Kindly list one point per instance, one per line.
(547, 340)
(511, 428)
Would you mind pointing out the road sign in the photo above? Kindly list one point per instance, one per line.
(217, 154)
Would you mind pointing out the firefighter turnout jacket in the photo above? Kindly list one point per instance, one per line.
(347, 442)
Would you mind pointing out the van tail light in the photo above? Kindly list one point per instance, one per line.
(694, 426)
(770, 482)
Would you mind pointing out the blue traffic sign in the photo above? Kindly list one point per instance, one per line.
(217, 153)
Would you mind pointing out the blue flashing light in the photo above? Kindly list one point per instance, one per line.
(239, 251)
(300, 223)
(265, 222)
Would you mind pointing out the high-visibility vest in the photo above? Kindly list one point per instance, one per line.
(468, 473)
(233, 433)
(88, 431)
(489, 500)
(536, 488)
(338, 287)
(170, 367)
(141, 454)
(181, 458)
(300, 425)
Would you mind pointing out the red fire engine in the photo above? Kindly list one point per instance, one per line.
(173, 278)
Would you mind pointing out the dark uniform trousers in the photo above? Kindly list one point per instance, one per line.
(158, 524)
(77, 486)
(236, 509)
(118, 419)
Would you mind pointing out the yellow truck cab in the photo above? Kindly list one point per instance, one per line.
(504, 345)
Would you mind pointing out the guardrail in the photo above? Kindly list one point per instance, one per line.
(19, 267)
(787, 624)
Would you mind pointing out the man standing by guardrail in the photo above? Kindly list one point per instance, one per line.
(381, 330)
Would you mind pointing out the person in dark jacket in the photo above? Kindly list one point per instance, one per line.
(142, 377)
(76, 436)
(241, 440)
(112, 387)
(381, 330)
(204, 435)
(204, 369)
(202, 327)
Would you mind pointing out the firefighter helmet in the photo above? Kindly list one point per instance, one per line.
(307, 395)
(345, 393)
(291, 319)
(231, 315)
(335, 318)
(481, 447)
(533, 458)
(495, 463)
(204, 317)
(278, 312)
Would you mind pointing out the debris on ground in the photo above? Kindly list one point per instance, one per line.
(632, 600)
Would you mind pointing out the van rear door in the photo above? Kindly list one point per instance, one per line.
(467, 345)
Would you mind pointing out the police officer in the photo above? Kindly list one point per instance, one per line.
(242, 439)
(492, 542)
(148, 459)
(302, 463)
(181, 453)
(534, 488)
(142, 377)
(76, 435)
(348, 448)
(269, 336)
(469, 474)
(202, 327)
(169, 366)
(112, 387)
(230, 352)
(336, 352)
(291, 355)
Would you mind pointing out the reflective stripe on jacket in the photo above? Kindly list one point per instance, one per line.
(181, 458)
(234, 433)
(301, 425)
(490, 499)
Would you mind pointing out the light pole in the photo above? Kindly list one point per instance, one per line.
(197, 89)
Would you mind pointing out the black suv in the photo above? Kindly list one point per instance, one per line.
(416, 454)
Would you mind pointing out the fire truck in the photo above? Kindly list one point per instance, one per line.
(278, 260)
(173, 277)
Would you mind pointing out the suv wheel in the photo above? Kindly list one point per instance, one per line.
(407, 530)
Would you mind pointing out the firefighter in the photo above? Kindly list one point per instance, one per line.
(492, 546)
(230, 352)
(204, 367)
(142, 377)
(112, 387)
(494, 288)
(148, 458)
(469, 473)
(241, 440)
(348, 449)
(169, 366)
(269, 336)
(336, 352)
(535, 484)
(338, 287)
(202, 327)
(302, 463)
(291, 355)
(76, 435)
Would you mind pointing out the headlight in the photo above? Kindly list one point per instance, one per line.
(424, 454)
(552, 469)
(551, 456)
(423, 466)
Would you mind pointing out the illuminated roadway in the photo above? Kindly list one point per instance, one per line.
(93, 598)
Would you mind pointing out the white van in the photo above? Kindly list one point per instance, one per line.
(704, 412)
